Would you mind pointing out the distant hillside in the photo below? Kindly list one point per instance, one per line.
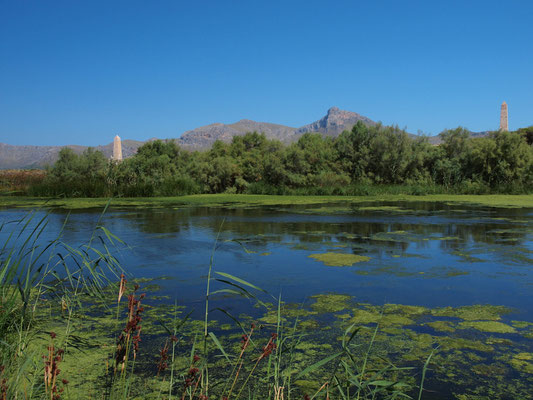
(435, 140)
(202, 138)
(16, 157)
(332, 124)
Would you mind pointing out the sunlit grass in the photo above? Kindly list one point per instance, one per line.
(244, 200)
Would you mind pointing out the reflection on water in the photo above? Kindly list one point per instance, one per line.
(420, 253)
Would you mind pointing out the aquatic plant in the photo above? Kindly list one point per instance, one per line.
(339, 259)
(52, 371)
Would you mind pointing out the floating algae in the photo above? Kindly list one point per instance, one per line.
(339, 259)
(384, 209)
(389, 315)
(458, 343)
(521, 324)
(476, 312)
(387, 269)
(467, 257)
(330, 303)
(487, 326)
(404, 309)
(490, 370)
(522, 362)
(287, 310)
(442, 326)
(469, 363)
(329, 210)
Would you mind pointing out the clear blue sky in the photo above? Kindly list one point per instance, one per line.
(79, 72)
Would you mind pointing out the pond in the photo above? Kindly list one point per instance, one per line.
(451, 276)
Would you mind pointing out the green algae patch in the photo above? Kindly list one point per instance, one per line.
(390, 315)
(244, 200)
(521, 362)
(521, 324)
(458, 343)
(330, 303)
(384, 209)
(467, 257)
(394, 236)
(387, 269)
(330, 210)
(489, 370)
(477, 312)
(455, 272)
(524, 356)
(444, 238)
(404, 309)
(487, 326)
(442, 326)
(339, 259)
(288, 311)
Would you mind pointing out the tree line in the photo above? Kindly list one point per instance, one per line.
(365, 160)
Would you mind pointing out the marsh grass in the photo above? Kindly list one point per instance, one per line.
(253, 200)
(42, 282)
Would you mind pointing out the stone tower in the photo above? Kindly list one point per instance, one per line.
(504, 119)
(117, 149)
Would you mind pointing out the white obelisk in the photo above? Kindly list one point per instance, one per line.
(504, 118)
(117, 149)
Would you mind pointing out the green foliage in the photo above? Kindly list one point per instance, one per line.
(368, 160)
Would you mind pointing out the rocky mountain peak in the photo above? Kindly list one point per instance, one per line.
(335, 121)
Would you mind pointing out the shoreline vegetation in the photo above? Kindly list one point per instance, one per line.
(366, 161)
(245, 200)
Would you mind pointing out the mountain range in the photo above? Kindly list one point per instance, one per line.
(332, 124)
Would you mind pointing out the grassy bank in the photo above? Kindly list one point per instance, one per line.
(242, 200)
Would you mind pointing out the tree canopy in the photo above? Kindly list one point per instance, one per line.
(251, 163)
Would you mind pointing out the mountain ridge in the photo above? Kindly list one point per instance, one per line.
(332, 124)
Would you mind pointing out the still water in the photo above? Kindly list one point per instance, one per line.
(418, 254)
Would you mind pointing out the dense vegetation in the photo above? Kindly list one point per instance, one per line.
(358, 162)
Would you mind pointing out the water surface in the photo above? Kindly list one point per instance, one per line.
(433, 255)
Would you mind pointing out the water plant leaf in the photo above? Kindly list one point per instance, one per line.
(317, 365)
(347, 342)
(178, 326)
(233, 318)
(424, 370)
(241, 281)
(243, 246)
(230, 291)
(244, 292)
(110, 236)
(219, 345)
(381, 383)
